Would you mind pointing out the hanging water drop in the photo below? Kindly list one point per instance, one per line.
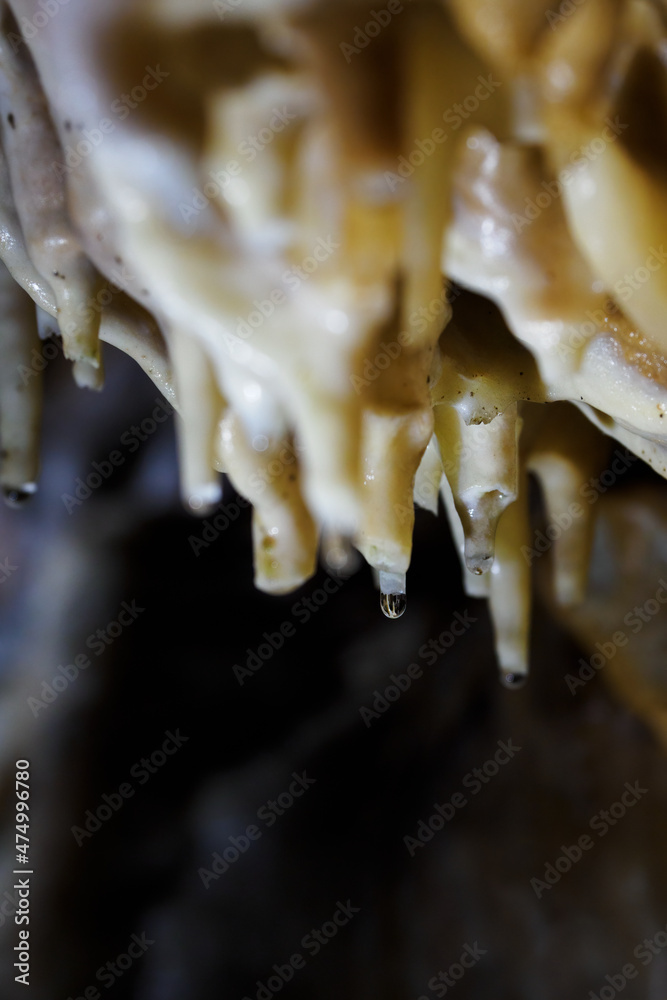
(392, 594)
(393, 605)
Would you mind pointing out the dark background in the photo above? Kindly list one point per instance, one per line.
(172, 669)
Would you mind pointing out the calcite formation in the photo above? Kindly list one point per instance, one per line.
(416, 248)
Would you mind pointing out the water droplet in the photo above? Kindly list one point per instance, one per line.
(511, 680)
(17, 496)
(393, 605)
(392, 593)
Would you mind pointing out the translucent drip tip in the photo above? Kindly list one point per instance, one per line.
(477, 562)
(480, 521)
